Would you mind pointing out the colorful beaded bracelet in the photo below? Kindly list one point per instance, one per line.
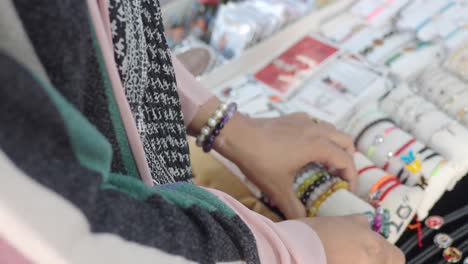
(316, 205)
(303, 175)
(310, 189)
(215, 124)
(303, 187)
(321, 190)
(381, 221)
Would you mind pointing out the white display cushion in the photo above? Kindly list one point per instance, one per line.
(436, 172)
(436, 189)
(446, 90)
(402, 202)
(343, 202)
(430, 125)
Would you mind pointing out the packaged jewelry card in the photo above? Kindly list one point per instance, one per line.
(342, 27)
(376, 43)
(378, 13)
(253, 98)
(336, 89)
(291, 68)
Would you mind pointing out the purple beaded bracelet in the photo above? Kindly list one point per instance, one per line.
(207, 141)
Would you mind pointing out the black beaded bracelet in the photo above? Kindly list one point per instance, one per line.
(311, 188)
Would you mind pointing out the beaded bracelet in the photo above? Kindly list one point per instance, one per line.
(215, 124)
(316, 205)
(304, 186)
(321, 190)
(381, 221)
(310, 189)
(303, 174)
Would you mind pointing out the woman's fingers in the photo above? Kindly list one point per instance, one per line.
(323, 151)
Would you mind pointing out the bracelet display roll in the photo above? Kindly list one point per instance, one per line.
(312, 211)
(214, 125)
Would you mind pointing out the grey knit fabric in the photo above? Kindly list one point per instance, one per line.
(69, 61)
(75, 163)
(145, 66)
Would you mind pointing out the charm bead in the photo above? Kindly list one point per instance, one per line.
(200, 140)
(218, 114)
(205, 131)
(443, 240)
(434, 222)
(452, 255)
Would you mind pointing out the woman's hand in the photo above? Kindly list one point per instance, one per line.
(270, 152)
(348, 239)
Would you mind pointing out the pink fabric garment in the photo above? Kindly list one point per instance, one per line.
(192, 94)
(288, 242)
(10, 255)
(105, 43)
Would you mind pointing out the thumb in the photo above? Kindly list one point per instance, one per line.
(291, 207)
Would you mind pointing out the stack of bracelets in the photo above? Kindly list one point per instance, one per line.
(382, 188)
(214, 125)
(314, 184)
(380, 221)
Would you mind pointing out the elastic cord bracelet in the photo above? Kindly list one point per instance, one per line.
(378, 141)
(316, 205)
(389, 189)
(381, 182)
(433, 155)
(437, 168)
(398, 152)
(378, 10)
(371, 167)
(369, 126)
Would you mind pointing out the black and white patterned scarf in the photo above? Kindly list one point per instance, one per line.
(145, 67)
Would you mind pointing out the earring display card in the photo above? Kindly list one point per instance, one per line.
(289, 70)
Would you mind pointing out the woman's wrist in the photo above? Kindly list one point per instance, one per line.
(236, 136)
(203, 114)
(236, 139)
